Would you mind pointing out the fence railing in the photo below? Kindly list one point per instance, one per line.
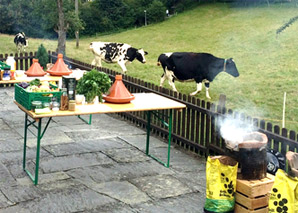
(194, 128)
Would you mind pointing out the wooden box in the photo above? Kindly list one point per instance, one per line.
(253, 195)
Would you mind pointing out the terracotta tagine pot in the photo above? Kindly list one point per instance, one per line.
(118, 93)
(35, 70)
(59, 68)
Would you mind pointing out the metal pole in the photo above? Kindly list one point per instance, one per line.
(145, 18)
(284, 110)
(77, 14)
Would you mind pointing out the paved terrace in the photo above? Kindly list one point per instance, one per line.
(94, 168)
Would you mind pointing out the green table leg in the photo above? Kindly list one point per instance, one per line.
(86, 121)
(25, 141)
(169, 125)
(148, 131)
(39, 136)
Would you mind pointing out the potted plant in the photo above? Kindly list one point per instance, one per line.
(92, 84)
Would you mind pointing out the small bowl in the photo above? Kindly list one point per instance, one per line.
(79, 99)
(20, 73)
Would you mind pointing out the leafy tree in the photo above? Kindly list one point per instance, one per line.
(156, 11)
(6, 20)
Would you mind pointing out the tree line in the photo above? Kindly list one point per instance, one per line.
(40, 18)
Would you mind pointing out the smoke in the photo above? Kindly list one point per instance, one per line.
(233, 130)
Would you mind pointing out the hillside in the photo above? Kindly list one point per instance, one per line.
(267, 64)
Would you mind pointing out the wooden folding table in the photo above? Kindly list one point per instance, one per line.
(149, 102)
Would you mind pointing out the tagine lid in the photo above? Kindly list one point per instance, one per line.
(59, 68)
(118, 93)
(35, 69)
(253, 140)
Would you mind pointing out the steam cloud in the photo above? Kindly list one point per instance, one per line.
(233, 130)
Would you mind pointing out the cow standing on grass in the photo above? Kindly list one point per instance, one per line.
(116, 53)
(200, 67)
(21, 42)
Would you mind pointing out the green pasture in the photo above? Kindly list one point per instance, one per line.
(267, 63)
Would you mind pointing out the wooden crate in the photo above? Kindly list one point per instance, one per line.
(253, 195)
(241, 209)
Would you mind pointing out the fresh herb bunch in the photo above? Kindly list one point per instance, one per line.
(93, 83)
(35, 82)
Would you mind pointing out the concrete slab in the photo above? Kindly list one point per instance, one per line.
(161, 186)
(123, 191)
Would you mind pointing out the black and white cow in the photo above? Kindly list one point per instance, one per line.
(116, 53)
(21, 42)
(200, 67)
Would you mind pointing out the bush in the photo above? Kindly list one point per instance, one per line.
(42, 56)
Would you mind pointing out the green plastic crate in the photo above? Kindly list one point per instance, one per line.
(4, 66)
(25, 98)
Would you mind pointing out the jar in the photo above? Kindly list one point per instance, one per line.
(36, 105)
(6, 75)
(46, 105)
(11, 62)
(56, 106)
(64, 100)
(1, 76)
(72, 105)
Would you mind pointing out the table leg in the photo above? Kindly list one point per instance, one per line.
(169, 125)
(37, 152)
(87, 122)
(25, 141)
(170, 136)
(148, 131)
(39, 136)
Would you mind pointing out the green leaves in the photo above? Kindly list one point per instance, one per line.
(93, 83)
(42, 56)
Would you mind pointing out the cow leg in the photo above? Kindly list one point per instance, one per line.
(162, 80)
(96, 61)
(199, 88)
(18, 48)
(170, 76)
(207, 84)
(122, 65)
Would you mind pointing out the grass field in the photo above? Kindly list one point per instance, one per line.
(267, 64)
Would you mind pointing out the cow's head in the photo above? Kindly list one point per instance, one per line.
(230, 67)
(140, 55)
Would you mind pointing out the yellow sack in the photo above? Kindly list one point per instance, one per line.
(284, 193)
(221, 175)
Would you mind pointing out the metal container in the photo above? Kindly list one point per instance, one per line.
(253, 156)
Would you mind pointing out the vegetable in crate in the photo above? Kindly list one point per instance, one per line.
(23, 84)
(93, 83)
(35, 82)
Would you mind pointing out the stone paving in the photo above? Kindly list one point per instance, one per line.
(100, 167)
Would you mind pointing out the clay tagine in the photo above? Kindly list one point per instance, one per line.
(118, 93)
(35, 70)
(59, 68)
